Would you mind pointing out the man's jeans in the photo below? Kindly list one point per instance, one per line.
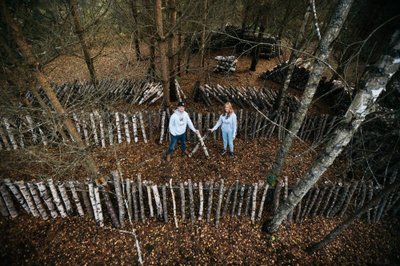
(174, 140)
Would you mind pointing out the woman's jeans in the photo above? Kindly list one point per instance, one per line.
(174, 140)
(227, 138)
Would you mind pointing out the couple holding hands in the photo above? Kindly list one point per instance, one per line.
(180, 120)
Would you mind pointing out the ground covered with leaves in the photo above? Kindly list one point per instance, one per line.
(252, 162)
(77, 241)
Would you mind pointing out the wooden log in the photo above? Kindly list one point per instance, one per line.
(313, 201)
(254, 203)
(349, 197)
(327, 200)
(162, 127)
(214, 121)
(263, 197)
(220, 197)
(298, 213)
(248, 200)
(235, 197)
(306, 204)
(165, 208)
(75, 197)
(277, 195)
(120, 199)
(228, 199)
(37, 201)
(341, 199)
(242, 188)
(85, 130)
(362, 195)
(8, 201)
(142, 126)
(110, 208)
(157, 200)
(201, 198)
(94, 128)
(173, 203)
(110, 129)
(17, 194)
(135, 203)
(183, 205)
(3, 208)
(4, 139)
(47, 199)
(128, 194)
(28, 198)
(86, 200)
(319, 201)
(10, 134)
(126, 127)
(98, 206)
(119, 135)
(191, 201)
(149, 201)
(134, 127)
(101, 125)
(64, 197)
(140, 194)
(210, 200)
(335, 195)
(245, 124)
(93, 202)
(201, 140)
(380, 208)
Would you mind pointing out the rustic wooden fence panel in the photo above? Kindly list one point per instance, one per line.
(123, 200)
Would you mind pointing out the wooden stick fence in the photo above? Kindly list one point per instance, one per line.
(210, 201)
(102, 129)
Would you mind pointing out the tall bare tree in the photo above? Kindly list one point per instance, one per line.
(73, 5)
(31, 60)
(361, 106)
(162, 47)
(320, 57)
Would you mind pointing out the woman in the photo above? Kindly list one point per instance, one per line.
(228, 121)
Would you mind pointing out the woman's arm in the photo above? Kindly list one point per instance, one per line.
(234, 125)
(219, 122)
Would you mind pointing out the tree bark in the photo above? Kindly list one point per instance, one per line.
(346, 223)
(171, 49)
(203, 33)
(136, 38)
(291, 63)
(256, 50)
(26, 51)
(359, 108)
(162, 46)
(321, 56)
(73, 5)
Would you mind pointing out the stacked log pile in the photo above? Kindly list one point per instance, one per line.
(131, 91)
(262, 98)
(225, 64)
(122, 200)
(104, 128)
(278, 74)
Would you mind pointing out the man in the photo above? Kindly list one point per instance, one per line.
(177, 127)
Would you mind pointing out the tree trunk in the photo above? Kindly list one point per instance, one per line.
(162, 46)
(26, 51)
(171, 50)
(255, 52)
(318, 68)
(291, 64)
(79, 31)
(203, 33)
(346, 223)
(359, 108)
(136, 38)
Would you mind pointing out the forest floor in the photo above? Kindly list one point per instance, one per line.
(76, 241)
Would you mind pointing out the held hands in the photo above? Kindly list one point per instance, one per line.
(197, 132)
(210, 129)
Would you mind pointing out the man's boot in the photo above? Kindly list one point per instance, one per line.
(168, 157)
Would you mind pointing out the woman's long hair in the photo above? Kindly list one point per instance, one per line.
(230, 109)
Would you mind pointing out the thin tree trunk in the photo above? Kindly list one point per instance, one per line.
(321, 56)
(359, 108)
(136, 38)
(26, 51)
(346, 223)
(162, 46)
(73, 4)
(171, 49)
(256, 50)
(203, 33)
(291, 63)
